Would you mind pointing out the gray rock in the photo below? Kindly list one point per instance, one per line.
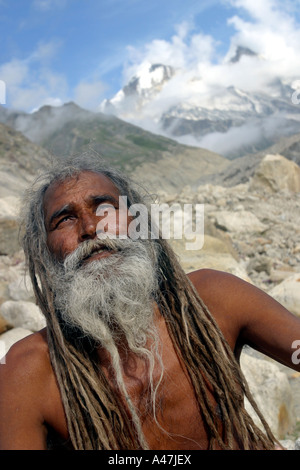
(288, 293)
(9, 237)
(287, 444)
(277, 173)
(23, 314)
(239, 222)
(272, 392)
(21, 288)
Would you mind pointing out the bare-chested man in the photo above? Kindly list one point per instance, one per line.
(136, 354)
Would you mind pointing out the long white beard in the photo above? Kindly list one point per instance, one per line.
(115, 292)
(112, 300)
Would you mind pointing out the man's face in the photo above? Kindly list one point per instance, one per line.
(70, 209)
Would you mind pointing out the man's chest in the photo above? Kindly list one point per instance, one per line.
(170, 415)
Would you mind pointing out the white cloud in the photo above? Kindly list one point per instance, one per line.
(266, 27)
(30, 82)
(185, 51)
(89, 94)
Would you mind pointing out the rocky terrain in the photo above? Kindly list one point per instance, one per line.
(251, 227)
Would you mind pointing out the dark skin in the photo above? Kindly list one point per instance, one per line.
(30, 402)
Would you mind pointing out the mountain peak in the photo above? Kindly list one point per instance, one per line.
(148, 76)
(240, 52)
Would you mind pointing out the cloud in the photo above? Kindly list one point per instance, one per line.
(186, 50)
(270, 31)
(30, 82)
(203, 76)
(89, 94)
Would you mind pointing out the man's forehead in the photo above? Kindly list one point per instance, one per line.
(77, 185)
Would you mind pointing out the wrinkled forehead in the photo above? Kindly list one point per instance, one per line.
(80, 185)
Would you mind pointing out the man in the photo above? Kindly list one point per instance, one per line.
(136, 354)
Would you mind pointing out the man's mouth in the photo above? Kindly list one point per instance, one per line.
(97, 253)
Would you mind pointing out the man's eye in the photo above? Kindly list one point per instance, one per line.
(64, 219)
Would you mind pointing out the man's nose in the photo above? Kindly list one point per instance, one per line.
(88, 227)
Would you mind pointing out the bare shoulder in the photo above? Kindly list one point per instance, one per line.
(218, 289)
(221, 293)
(26, 381)
(204, 278)
(26, 372)
(28, 356)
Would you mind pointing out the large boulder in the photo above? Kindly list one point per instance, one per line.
(287, 293)
(9, 226)
(21, 288)
(214, 254)
(276, 173)
(24, 314)
(4, 325)
(271, 391)
(239, 222)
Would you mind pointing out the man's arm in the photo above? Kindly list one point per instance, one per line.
(247, 315)
(23, 396)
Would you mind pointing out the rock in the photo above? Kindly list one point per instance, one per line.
(276, 173)
(288, 444)
(9, 207)
(21, 288)
(260, 264)
(271, 391)
(9, 236)
(20, 313)
(4, 325)
(9, 338)
(239, 222)
(288, 293)
(9, 228)
(215, 254)
(219, 261)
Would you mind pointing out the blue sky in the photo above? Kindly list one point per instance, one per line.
(53, 51)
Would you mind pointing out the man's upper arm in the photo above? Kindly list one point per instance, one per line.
(22, 392)
(247, 315)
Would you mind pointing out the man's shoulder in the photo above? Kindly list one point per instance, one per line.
(205, 279)
(27, 357)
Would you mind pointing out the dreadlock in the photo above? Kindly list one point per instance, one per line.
(95, 416)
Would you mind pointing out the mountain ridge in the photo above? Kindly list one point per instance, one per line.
(182, 106)
(121, 144)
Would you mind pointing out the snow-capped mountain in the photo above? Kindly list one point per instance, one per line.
(140, 89)
(206, 109)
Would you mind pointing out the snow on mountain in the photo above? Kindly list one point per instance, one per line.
(210, 110)
(143, 87)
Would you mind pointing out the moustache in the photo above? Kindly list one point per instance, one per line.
(87, 248)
